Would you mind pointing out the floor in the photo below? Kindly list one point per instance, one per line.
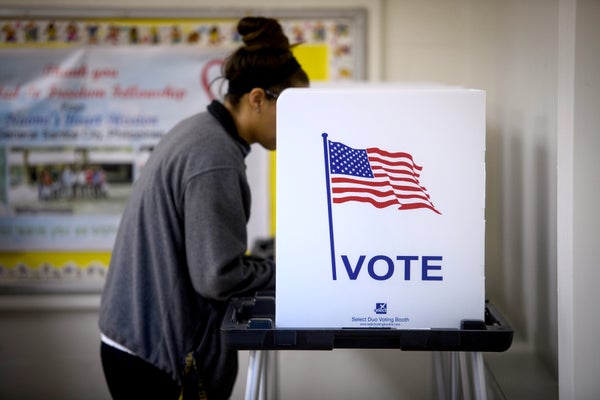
(518, 374)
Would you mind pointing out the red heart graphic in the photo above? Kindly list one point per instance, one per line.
(204, 76)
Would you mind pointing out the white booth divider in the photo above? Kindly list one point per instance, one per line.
(380, 207)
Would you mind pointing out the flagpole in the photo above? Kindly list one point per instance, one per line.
(328, 184)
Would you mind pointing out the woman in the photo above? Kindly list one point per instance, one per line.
(179, 255)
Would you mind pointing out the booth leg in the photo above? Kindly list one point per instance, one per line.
(273, 373)
(264, 376)
(262, 381)
(454, 373)
(255, 375)
(464, 376)
(479, 376)
(446, 370)
(440, 376)
(452, 368)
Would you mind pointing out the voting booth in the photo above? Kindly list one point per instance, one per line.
(380, 207)
(380, 230)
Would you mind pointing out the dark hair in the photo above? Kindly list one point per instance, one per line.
(264, 61)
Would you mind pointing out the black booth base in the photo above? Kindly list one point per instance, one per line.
(249, 324)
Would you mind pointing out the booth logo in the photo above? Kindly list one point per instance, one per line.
(380, 308)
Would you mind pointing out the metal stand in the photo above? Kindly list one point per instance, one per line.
(468, 367)
(262, 377)
(458, 366)
(449, 368)
(255, 375)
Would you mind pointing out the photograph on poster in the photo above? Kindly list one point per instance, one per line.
(71, 181)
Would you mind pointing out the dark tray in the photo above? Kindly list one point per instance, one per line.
(249, 325)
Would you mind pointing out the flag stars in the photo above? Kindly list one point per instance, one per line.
(348, 161)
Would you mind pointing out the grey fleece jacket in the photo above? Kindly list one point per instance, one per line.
(179, 254)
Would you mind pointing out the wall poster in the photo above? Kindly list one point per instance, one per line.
(82, 103)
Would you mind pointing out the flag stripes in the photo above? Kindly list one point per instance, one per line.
(378, 177)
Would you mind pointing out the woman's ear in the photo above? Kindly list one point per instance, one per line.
(256, 98)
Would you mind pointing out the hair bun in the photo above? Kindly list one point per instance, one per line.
(261, 32)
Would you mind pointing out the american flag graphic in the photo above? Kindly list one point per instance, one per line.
(376, 176)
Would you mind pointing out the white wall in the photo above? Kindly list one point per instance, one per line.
(522, 173)
(579, 196)
(586, 197)
(509, 49)
(538, 60)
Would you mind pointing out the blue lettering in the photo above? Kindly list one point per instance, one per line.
(77, 119)
(407, 260)
(353, 274)
(428, 265)
(390, 270)
(426, 268)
